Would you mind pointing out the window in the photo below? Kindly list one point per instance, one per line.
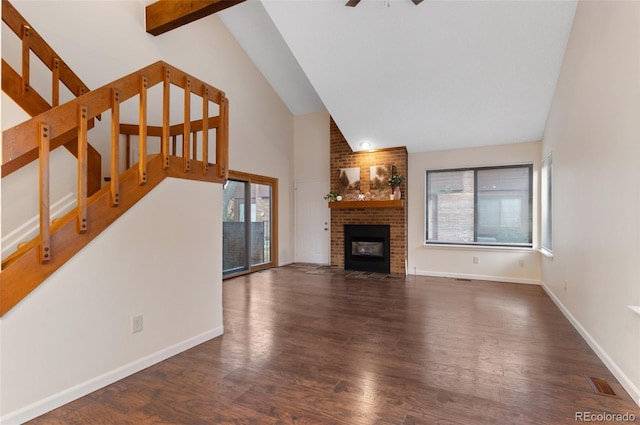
(480, 206)
(546, 202)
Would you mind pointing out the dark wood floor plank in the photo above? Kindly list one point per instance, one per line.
(309, 345)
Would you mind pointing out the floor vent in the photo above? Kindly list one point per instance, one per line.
(600, 386)
(462, 280)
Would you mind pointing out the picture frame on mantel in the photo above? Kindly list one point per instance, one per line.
(379, 182)
(349, 183)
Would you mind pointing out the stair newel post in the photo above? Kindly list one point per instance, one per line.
(81, 222)
(142, 134)
(45, 219)
(115, 148)
(26, 53)
(222, 139)
(205, 130)
(55, 83)
(187, 125)
(166, 123)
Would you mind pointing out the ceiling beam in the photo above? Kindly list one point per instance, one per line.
(165, 15)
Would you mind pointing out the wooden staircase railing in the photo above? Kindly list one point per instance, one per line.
(17, 86)
(175, 131)
(24, 270)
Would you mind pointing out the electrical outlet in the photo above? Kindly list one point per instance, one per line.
(137, 324)
(475, 260)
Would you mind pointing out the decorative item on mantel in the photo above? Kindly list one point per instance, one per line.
(333, 196)
(349, 183)
(378, 176)
(395, 181)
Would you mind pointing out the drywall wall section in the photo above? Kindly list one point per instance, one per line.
(73, 334)
(311, 148)
(592, 133)
(500, 264)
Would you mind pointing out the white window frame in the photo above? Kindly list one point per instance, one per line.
(546, 204)
(528, 245)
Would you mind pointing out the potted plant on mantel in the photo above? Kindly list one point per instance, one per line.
(333, 196)
(395, 181)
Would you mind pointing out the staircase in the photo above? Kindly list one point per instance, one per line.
(69, 124)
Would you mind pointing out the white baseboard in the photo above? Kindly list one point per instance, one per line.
(56, 400)
(31, 227)
(624, 380)
(477, 277)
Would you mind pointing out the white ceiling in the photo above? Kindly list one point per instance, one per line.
(444, 74)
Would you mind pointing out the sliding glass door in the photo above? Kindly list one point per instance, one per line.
(234, 229)
(250, 223)
(260, 224)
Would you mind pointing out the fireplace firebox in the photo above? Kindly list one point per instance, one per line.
(367, 247)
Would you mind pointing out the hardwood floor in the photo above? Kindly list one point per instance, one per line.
(310, 345)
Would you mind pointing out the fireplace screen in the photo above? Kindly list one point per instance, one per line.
(367, 249)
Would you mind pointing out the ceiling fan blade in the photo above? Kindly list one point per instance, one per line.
(416, 2)
(354, 3)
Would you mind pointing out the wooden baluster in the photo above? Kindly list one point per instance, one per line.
(222, 139)
(115, 148)
(174, 144)
(26, 53)
(127, 161)
(205, 130)
(187, 124)
(45, 219)
(142, 134)
(81, 223)
(194, 143)
(166, 123)
(55, 83)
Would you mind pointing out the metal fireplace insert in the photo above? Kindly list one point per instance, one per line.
(367, 247)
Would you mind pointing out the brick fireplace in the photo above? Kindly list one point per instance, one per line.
(368, 212)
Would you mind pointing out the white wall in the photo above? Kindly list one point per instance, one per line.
(593, 133)
(311, 147)
(500, 264)
(73, 335)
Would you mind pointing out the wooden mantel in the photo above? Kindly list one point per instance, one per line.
(399, 203)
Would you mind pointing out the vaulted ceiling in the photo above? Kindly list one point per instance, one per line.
(444, 74)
